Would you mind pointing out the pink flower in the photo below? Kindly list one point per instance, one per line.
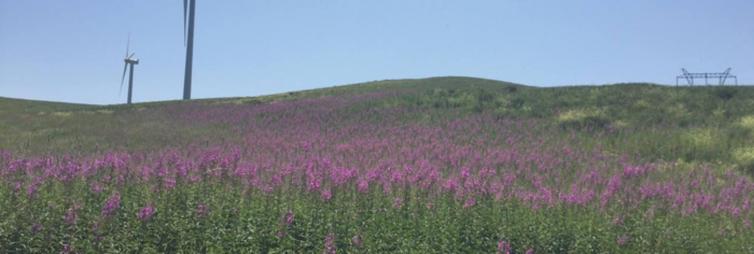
(32, 188)
(330, 244)
(281, 233)
(17, 187)
(465, 172)
(503, 247)
(530, 251)
(146, 213)
(326, 194)
(96, 187)
(168, 183)
(288, 219)
(622, 240)
(363, 186)
(356, 241)
(613, 186)
(202, 210)
(111, 205)
(70, 215)
(397, 202)
(618, 220)
(67, 248)
(469, 202)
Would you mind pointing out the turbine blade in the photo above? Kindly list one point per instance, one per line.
(123, 78)
(185, 9)
(128, 44)
(132, 55)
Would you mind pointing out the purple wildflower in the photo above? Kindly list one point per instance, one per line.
(503, 247)
(70, 215)
(622, 240)
(326, 194)
(111, 205)
(32, 188)
(280, 234)
(96, 187)
(288, 219)
(330, 244)
(618, 220)
(363, 186)
(146, 213)
(202, 210)
(469, 202)
(17, 187)
(67, 248)
(398, 202)
(356, 241)
(36, 228)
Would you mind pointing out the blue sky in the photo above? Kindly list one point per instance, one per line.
(72, 50)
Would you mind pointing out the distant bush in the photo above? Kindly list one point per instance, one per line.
(742, 130)
(475, 100)
(744, 157)
(702, 144)
(583, 119)
(725, 93)
(747, 122)
(700, 138)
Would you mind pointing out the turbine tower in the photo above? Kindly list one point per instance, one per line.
(188, 36)
(130, 61)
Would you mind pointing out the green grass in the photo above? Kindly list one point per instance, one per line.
(654, 122)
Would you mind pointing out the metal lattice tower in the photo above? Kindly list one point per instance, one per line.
(720, 76)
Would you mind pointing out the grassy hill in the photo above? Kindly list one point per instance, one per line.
(653, 122)
(437, 165)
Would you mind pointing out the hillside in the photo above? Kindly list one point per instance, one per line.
(653, 122)
(437, 165)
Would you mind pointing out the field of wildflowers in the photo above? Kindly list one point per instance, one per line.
(443, 165)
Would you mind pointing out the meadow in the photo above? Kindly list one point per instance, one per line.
(438, 165)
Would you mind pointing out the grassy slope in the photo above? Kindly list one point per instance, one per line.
(702, 125)
(39, 127)
(707, 124)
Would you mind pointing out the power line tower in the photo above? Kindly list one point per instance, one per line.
(720, 76)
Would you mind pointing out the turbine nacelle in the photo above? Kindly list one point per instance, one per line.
(131, 60)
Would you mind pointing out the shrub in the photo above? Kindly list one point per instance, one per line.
(702, 144)
(744, 157)
(583, 119)
(725, 93)
(747, 122)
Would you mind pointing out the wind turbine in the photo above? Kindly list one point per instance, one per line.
(188, 36)
(129, 60)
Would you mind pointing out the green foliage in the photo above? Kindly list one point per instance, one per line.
(472, 100)
(241, 222)
(725, 93)
(583, 119)
(745, 158)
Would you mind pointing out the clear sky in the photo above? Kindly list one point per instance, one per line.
(73, 50)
